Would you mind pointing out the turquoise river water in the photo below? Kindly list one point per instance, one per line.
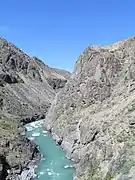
(54, 166)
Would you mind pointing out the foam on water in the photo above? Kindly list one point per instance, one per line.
(45, 132)
(36, 124)
(50, 173)
(29, 128)
(36, 134)
(31, 138)
(41, 173)
(68, 166)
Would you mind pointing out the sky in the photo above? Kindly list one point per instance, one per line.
(58, 31)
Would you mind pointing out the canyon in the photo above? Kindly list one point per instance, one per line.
(89, 113)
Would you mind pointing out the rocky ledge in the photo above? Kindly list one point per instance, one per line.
(34, 118)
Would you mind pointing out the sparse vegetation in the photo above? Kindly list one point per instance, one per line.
(6, 124)
(8, 138)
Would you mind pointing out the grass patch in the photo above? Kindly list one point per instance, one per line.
(6, 124)
(9, 134)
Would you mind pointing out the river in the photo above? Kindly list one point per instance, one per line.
(55, 165)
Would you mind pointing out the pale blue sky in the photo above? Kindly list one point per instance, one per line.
(58, 31)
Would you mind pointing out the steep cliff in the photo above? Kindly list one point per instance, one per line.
(27, 88)
(93, 117)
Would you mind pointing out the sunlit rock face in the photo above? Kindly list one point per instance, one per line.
(94, 114)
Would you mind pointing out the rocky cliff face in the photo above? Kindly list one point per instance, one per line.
(27, 88)
(27, 85)
(93, 117)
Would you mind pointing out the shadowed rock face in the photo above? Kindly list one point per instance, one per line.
(4, 166)
(94, 114)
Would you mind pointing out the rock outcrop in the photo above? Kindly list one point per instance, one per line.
(27, 89)
(93, 116)
(4, 166)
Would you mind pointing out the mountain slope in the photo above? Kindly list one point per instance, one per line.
(27, 89)
(27, 84)
(93, 117)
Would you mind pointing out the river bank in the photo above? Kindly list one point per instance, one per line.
(25, 169)
(18, 155)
